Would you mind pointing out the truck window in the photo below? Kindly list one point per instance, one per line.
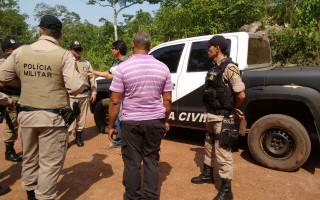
(258, 51)
(170, 56)
(199, 60)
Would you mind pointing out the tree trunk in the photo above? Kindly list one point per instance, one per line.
(115, 21)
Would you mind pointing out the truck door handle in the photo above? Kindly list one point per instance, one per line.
(174, 85)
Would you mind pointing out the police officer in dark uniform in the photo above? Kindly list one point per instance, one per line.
(10, 133)
(223, 94)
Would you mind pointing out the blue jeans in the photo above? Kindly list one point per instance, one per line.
(117, 126)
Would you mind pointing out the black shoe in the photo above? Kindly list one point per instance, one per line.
(31, 195)
(225, 191)
(4, 190)
(205, 177)
(79, 141)
(10, 153)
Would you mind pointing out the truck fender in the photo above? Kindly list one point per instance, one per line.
(306, 95)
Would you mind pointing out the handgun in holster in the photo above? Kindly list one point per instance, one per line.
(5, 115)
(229, 135)
(2, 113)
(69, 115)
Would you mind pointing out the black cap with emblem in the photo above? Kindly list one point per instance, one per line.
(51, 22)
(217, 41)
(76, 46)
(9, 43)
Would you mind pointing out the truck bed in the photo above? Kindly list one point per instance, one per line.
(297, 76)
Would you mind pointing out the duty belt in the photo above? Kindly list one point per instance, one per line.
(28, 109)
(224, 113)
(86, 90)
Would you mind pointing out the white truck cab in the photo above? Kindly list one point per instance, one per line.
(188, 62)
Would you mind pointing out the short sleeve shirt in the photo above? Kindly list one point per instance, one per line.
(231, 77)
(142, 79)
(73, 83)
(114, 67)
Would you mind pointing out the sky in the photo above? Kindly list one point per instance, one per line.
(91, 13)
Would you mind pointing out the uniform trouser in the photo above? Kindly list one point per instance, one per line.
(80, 121)
(44, 151)
(141, 142)
(215, 152)
(8, 134)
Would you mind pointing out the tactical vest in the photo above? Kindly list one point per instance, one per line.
(11, 91)
(81, 67)
(42, 84)
(216, 95)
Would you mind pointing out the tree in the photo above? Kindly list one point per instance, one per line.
(68, 18)
(122, 5)
(97, 41)
(12, 23)
(142, 21)
(183, 18)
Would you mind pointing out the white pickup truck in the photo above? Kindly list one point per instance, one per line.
(282, 105)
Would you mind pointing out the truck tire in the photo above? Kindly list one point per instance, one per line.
(101, 117)
(279, 142)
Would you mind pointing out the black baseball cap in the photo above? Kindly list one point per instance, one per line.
(217, 40)
(75, 45)
(9, 43)
(51, 22)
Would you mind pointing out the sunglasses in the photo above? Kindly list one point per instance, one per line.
(78, 49)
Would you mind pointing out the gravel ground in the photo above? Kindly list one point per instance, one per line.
(94, 172)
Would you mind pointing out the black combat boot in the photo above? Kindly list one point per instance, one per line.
(79, 139)
(205, 177)
(31, 195)
(4, 190)
(10, 153)
(225, 190)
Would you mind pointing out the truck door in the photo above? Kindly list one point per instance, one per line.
(171, 55)
(191, 82)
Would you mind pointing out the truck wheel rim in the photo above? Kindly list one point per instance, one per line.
(278, 143)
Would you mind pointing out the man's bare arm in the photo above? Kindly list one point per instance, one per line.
(239, 98)
(167, 100)
(114, 107)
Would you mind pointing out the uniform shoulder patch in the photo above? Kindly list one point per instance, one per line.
(234, 75)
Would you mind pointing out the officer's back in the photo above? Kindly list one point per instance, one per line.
(47, 75)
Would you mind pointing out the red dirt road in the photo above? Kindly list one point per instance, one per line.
(94, 172)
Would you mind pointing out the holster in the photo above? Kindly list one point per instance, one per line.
(5, 115)
(69, 115)
(229, 134)
(2, 113)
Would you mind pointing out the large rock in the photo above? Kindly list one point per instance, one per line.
(256, 27)
(251, 28)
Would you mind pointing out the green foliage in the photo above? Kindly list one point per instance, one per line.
(183, 18)
(12, 23)
(122, 4)
(296, 46)
(96, 41)
(68, 18)
(176, 19)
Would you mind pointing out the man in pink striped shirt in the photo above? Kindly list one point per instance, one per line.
(144, 86)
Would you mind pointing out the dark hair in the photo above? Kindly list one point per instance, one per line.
(142, 40)
(53, 33)
(121, 45)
